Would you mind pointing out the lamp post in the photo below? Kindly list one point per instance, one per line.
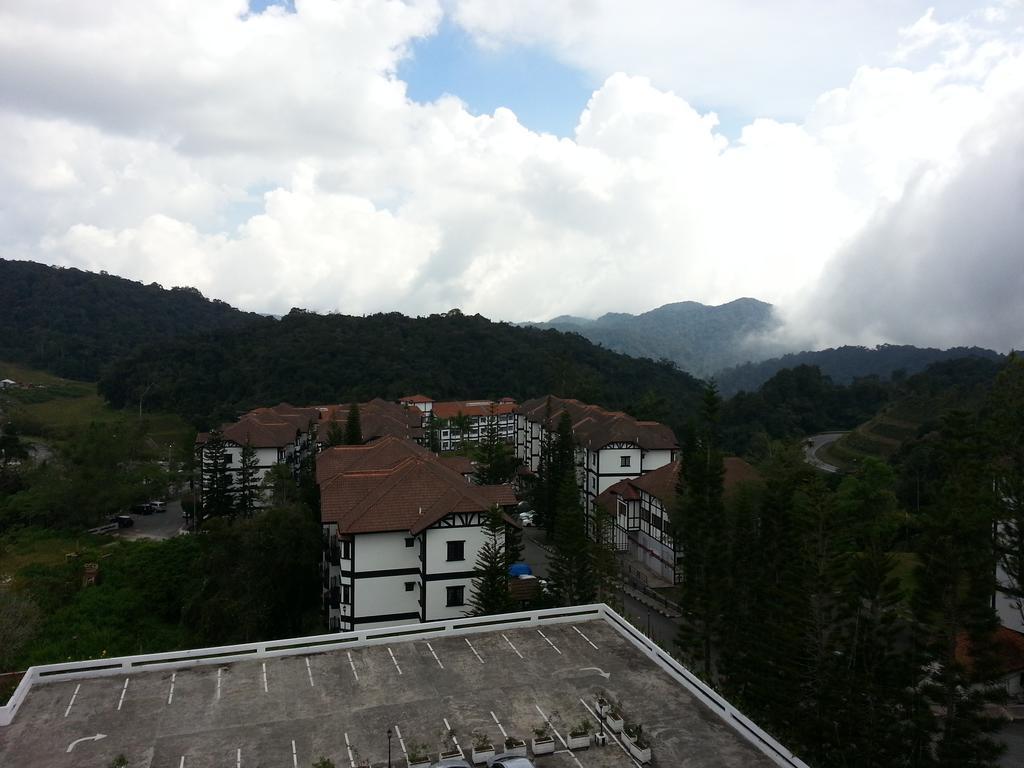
(389, 746)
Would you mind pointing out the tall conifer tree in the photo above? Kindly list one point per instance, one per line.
(353, 427)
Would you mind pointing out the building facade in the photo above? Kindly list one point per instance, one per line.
(402, 533)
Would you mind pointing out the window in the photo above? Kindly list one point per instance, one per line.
(456, 551)
(409, 585)
(346, 593)
(625, 461)
(346, 549)
(456, 595)
(409, 541)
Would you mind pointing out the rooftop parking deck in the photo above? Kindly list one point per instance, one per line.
(276, 706)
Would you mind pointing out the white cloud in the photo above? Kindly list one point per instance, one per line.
(275, 161)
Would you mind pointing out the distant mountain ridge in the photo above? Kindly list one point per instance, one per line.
(700, 339)
(844, 364)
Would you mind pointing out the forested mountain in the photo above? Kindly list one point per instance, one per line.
(73, 323)
(844, 364)
(698, 338)
(309, 358)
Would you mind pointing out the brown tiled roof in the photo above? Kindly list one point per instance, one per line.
(299, 417)
(449, 410)
(502, 495)
(461, 464)
(410, 496)
(385, 453)
(596, 427)
(661, 483)
(1008, 646)
(377, 418)
(260, 432)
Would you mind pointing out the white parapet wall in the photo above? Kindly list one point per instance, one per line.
(301, 646)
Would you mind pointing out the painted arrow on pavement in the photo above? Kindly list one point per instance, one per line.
(601, 672)
(76, 742)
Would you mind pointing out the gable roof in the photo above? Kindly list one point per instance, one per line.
(594, 427)
(377, 418)
(661, 483)
(409, 496)
(385, 453)
(451, 409)
(416, 399)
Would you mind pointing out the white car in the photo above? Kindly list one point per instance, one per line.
(526, 518)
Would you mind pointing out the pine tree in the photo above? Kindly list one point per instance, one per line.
(541, 490)
(495, 460)
(572, 576)
(699, 524)
(1005, 430)
(461, 423)
(335, 434)
(490, 593)
(353, 429)
(434, 433)
(248, 490)
(604, 557)
(561, 470)
(217, 481)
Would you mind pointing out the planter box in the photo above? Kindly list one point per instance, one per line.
(451, 754)
(518, 749)
(643, 754)
(578, 742)
(483, 755)
(601, 709)
(614, 722)
(424, 763)
(542, 746)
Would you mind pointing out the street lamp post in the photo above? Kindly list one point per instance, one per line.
(389, 746)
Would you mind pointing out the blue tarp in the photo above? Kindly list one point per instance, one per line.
(519, 569)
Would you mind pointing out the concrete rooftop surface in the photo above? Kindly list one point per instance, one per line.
(288, 706)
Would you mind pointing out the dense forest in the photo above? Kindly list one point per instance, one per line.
(845, 364)
(73, 323)
(310, 358)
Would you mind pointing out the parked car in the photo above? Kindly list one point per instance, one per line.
(509, 761)
(123, 521)
(141, 509)
(158, 506)
(526, 518)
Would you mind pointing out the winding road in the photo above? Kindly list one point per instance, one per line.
(815, 443)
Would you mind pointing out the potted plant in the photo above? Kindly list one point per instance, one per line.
(483, 749)
(602, 704)
(449, 747)
(515, 746)
(416, 755)
(636, 743)
(579, 735)
(324, 762)
(613, 719)
(542, 743)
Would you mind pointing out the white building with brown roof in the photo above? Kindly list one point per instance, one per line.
(401, 534)
(377, 418)
(642, 507)
(282, 433)
(610, 445)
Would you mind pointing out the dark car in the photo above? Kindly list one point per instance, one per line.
(141, 509)
(123, 521)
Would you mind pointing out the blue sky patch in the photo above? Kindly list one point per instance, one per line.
(545, 94)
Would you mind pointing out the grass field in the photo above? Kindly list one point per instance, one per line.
(36, 546)
(53, 407)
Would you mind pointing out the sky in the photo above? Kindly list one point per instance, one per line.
(858, 163)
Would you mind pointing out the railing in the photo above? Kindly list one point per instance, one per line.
(382, 635)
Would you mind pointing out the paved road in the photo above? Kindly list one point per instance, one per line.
(662, 629)
(159, 525)
(815, 443)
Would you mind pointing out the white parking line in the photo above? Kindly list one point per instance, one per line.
(124, 690)
(435, 656)
(170, 693)
(238, 758)
(352, 664)
(395, 660)
(348, 747)
(181, 763)
(265, 688)
(401, 741)
(586, 638)
(500, 727)
(219, 670)
(554, 731)
(72, 702)
(309, 671)
(512, 646)
(295, 759)
(621, 745)
(548, 641)
(455, 741)
(473, 650)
